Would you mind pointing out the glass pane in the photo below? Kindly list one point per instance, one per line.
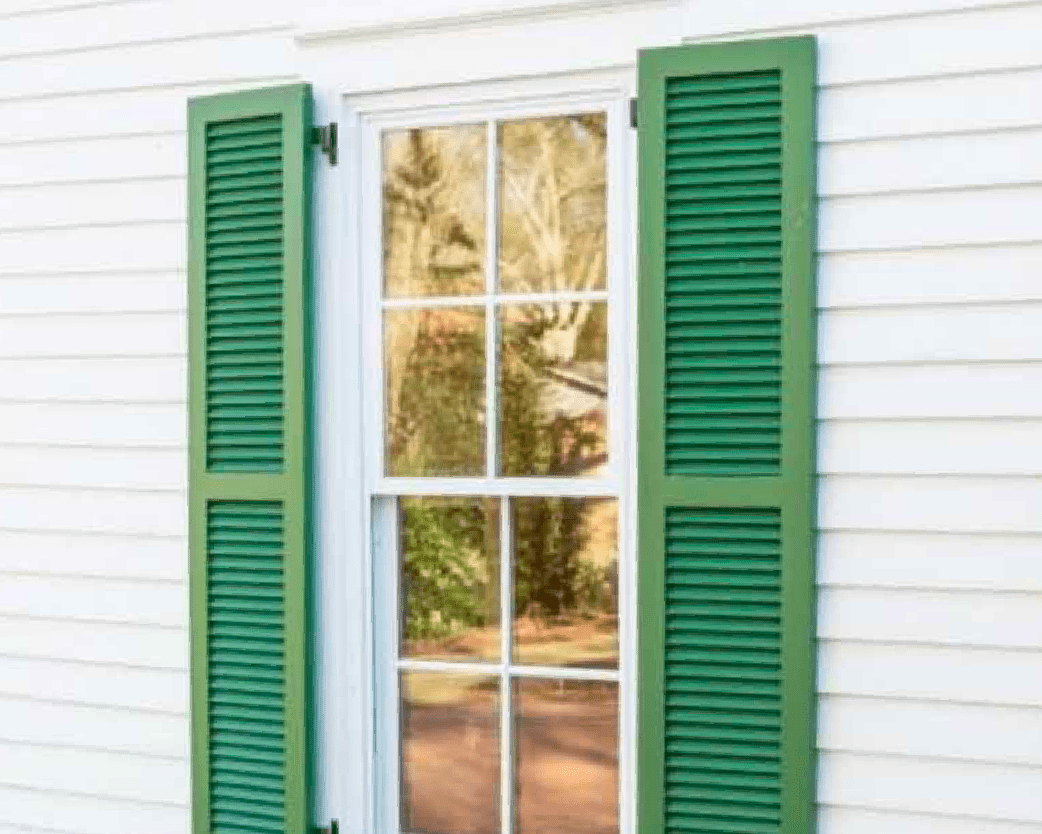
(566, 743)
(552, 199)
(434, 211)
(566, 582)
(434, 362)
(450, 753)
(449, 578)
(553, 383)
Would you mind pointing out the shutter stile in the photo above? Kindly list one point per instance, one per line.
(249, 456)
(726, 453)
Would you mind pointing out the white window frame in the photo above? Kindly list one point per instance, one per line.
(356, 761)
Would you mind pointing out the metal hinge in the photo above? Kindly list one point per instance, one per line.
(334, 825)
(326, 138)
(633, 112)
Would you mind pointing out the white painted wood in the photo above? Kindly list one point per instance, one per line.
(94, 600)
(886, 559)
(67, 813)
(101, 159)
(931, 729)
(125, 247)
(965, 391)
(984, 333)
(72, 638)
(116, 556)
(42, 206)
(930, 447)
(95, 379)
(58, 725)
(956, 618)
(159, 469)
(93, 511)
(42, 295)
(105, 424)
(931, 785)
(837, 819)
(121, 334)
(939, 276)
(930, 673)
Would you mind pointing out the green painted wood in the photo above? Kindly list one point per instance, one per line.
(726, 438)
(249, 451)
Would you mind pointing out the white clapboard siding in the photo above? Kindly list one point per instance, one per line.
(62, 423)
(128, 247)
(102, 468)
(930, 673)
(931, 786)
(49, 206)
(958, 274)
(74, 639)
(95, 379)
(116, 556)
(955, 390)
(95, 684)
(84, 599)
(958, 561)
(890, 726)
(57, 295)
(99, 159)
(55, 509)
(834, 819)
(38, 811)
(95, 773)
(119, 334)
(53, 724)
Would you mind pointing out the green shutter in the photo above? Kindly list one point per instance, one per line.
(726, 438)
(249, 373)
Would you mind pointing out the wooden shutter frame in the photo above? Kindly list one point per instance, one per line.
(291, 487)
(793, 490)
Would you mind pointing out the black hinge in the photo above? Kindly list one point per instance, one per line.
(633, 112)
(326, 138)
(334, 825)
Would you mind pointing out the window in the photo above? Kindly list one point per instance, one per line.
(498, 430)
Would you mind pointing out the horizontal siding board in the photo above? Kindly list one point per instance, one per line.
(920, 616)
(100, 159)
(931, 390)
(107, 468)
(1001, 562)
(94, 773)
(57, 725)
(122, 687)
(1000, 735)
(94, 423)
(114, 334)
(946, 673)
(101, 600)
(64, 295)
(986, 333)
(957, 275)
(44, 206)
(95, 379)
(124, 248)
(66, 812)
(930, 785)
(118, 557)
(64, 638)
(844, 820)
(93, 511)
(942, 504)
(930, 447)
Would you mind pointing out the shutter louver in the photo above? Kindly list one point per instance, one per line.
(726, 454)
(249, 459)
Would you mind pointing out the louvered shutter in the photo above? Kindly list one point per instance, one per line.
(726, 439)
(249, 458)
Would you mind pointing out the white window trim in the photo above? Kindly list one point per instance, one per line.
(351, 443)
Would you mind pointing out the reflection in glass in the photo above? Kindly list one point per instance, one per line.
(553, 364)
(566, 743)
(434, 361)
(566, 580)
(449, 578)
(552, 199)
(434, 211)
(450, 753)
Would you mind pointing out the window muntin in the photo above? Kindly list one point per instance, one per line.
(547, 464)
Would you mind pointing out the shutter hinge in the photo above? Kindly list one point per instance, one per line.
(326, 138)
(633, 112)
(334, 825)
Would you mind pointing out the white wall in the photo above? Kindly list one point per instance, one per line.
(930, 397)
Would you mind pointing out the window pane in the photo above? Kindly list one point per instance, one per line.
(435, 373)
(566, 579)
(566, 742)
(449, 578)
(434, 211)
(553, 365)
(552, 201)
(450, 753)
